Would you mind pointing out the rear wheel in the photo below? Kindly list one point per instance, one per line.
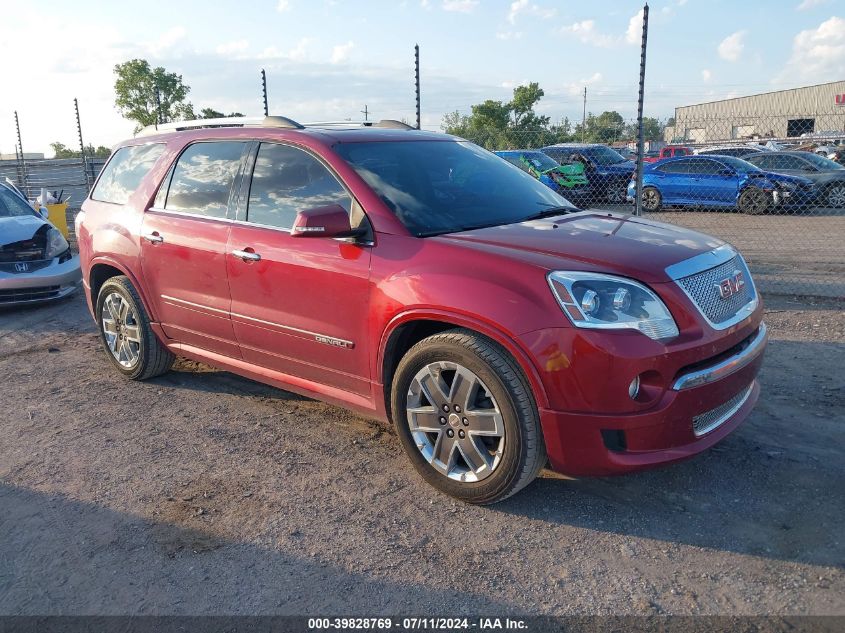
(652, 200)
(753, 201)
(125, 332)
(466, 417)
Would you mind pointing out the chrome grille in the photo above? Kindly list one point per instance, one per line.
(714, 418)
(703, 289)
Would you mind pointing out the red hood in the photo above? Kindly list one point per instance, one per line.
(594, 241)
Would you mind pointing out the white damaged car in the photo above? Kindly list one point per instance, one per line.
(36, 262)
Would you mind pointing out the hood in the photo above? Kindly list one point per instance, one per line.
(618, 168)
(19, 228)
(779, 177)
(593, 241)
(825, 177)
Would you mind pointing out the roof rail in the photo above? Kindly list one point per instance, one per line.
(393, 124)
(196, 124)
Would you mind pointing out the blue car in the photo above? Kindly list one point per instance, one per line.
(719, 182)
(607, 170)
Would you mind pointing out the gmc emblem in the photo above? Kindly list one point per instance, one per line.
(730, 286)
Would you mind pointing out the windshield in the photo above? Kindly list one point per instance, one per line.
(821, 162)
(540, 161)
(604, 155)
(11, 205)
(438, 187)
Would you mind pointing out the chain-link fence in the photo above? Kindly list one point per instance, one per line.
(781, 201)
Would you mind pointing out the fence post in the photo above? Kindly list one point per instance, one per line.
(264, 92)
(638, 203)
(417, 80)
(81, 147)
(23, 176)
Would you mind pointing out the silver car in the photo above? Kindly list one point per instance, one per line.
(36, 262)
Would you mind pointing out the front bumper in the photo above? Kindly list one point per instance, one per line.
(54, 281)
(700, 405)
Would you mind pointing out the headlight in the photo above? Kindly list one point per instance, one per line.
(789, 186)
(56, 244)
(605, 302)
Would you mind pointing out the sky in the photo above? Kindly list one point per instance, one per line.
(327, 59)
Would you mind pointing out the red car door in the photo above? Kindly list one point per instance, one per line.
(299, 304)
(183, 247)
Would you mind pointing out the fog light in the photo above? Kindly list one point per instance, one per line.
(634, 388)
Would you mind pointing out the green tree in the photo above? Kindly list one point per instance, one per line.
(62, 151)
(652, 129)
(135, 94)
(607, 127)
(211, 113)
(522, 107)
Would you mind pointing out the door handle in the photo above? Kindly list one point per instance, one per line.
(247, 256)
(153, 238)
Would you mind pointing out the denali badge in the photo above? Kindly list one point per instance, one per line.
(21, 267)
(732, 285)
(334, 342)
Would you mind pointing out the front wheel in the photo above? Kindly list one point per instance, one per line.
(753, 201)
(466, 417)
(617, 192)
(125, 331)
(652, 200)
(835, 195)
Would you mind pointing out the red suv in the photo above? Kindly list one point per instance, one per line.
(415, 277)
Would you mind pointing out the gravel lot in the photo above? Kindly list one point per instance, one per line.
(200, 492)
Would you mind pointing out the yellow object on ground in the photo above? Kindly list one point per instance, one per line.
(57, 214)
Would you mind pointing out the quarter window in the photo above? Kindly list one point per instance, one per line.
(287, 180)
(125, 171)
(203, 178)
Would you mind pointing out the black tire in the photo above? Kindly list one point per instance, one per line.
(753, 201)
(153, 358)
(652, 200)
(524, 452)
(834, 195)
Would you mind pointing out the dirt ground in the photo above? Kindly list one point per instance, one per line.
(203, 493)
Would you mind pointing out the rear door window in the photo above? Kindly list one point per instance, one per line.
(676, 167)
(125, 171)
(203, 178)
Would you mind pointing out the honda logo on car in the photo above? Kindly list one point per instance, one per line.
(731, 285)
(21, 267)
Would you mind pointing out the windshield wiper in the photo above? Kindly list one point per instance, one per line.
(546, 213)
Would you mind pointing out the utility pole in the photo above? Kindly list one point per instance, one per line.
(81, 146)
(638, 203)
(584, 117)
(417, 80)
(365, 112)
(264, 92)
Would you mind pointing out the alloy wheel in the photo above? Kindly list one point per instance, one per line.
(753, 201)
(836, 196)
(121, 330)
(651, 199)
(616, 193)
(455, 422)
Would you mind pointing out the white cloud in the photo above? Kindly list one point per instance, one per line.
(509, 35)
(731, 47)
(167, 40)
(634, 33)
(297, 54)
(706, 75)
(525, 6)
(425, 4)
(681, 2)
(810, 4)
(341, 52)
(817, 54)
(235, 47)
(283, 5)
(587, 33)
(577, 87)
(460, 6)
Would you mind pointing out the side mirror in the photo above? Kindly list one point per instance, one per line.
(328, 221)
(45, 212)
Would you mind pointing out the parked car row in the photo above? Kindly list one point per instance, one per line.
(758, 183)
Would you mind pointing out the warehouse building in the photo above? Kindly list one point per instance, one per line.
(781, 114)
